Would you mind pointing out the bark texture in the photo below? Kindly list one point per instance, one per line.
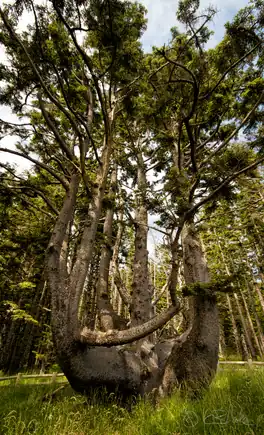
(141, 293)
(194, 356)
(126, 360)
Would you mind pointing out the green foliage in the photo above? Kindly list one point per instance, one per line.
(18, 314)
(26, 285)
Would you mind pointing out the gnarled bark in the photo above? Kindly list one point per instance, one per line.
(194, 356)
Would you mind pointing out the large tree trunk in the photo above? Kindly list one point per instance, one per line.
(85, 365)
(194, 357)
(108, 318)
(141, 296)
(92, 359)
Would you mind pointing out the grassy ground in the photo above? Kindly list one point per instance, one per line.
(234, 405)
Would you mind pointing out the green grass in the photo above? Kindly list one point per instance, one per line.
(234, 405)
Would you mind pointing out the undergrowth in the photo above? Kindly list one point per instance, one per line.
(234, 405)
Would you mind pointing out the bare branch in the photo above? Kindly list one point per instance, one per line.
(13, 124)
(39, 192)
(45, 199)
(163, 290)
(38, 208)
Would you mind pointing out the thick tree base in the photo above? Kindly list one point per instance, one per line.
(126, 375)
(114, 370)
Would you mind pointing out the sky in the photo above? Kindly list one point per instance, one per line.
(161, 18)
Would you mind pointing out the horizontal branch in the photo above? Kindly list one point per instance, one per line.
(115, 338)
(13, 124)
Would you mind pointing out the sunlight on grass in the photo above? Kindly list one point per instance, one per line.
(234, 405)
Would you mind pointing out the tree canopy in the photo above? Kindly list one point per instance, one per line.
(115, 135)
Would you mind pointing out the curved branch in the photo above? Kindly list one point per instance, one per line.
(208, 18)
(62, 180)
(193, 82)
(45, 199)
(180, 65)
(115, 338)
(38, 208)
(41, 194)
